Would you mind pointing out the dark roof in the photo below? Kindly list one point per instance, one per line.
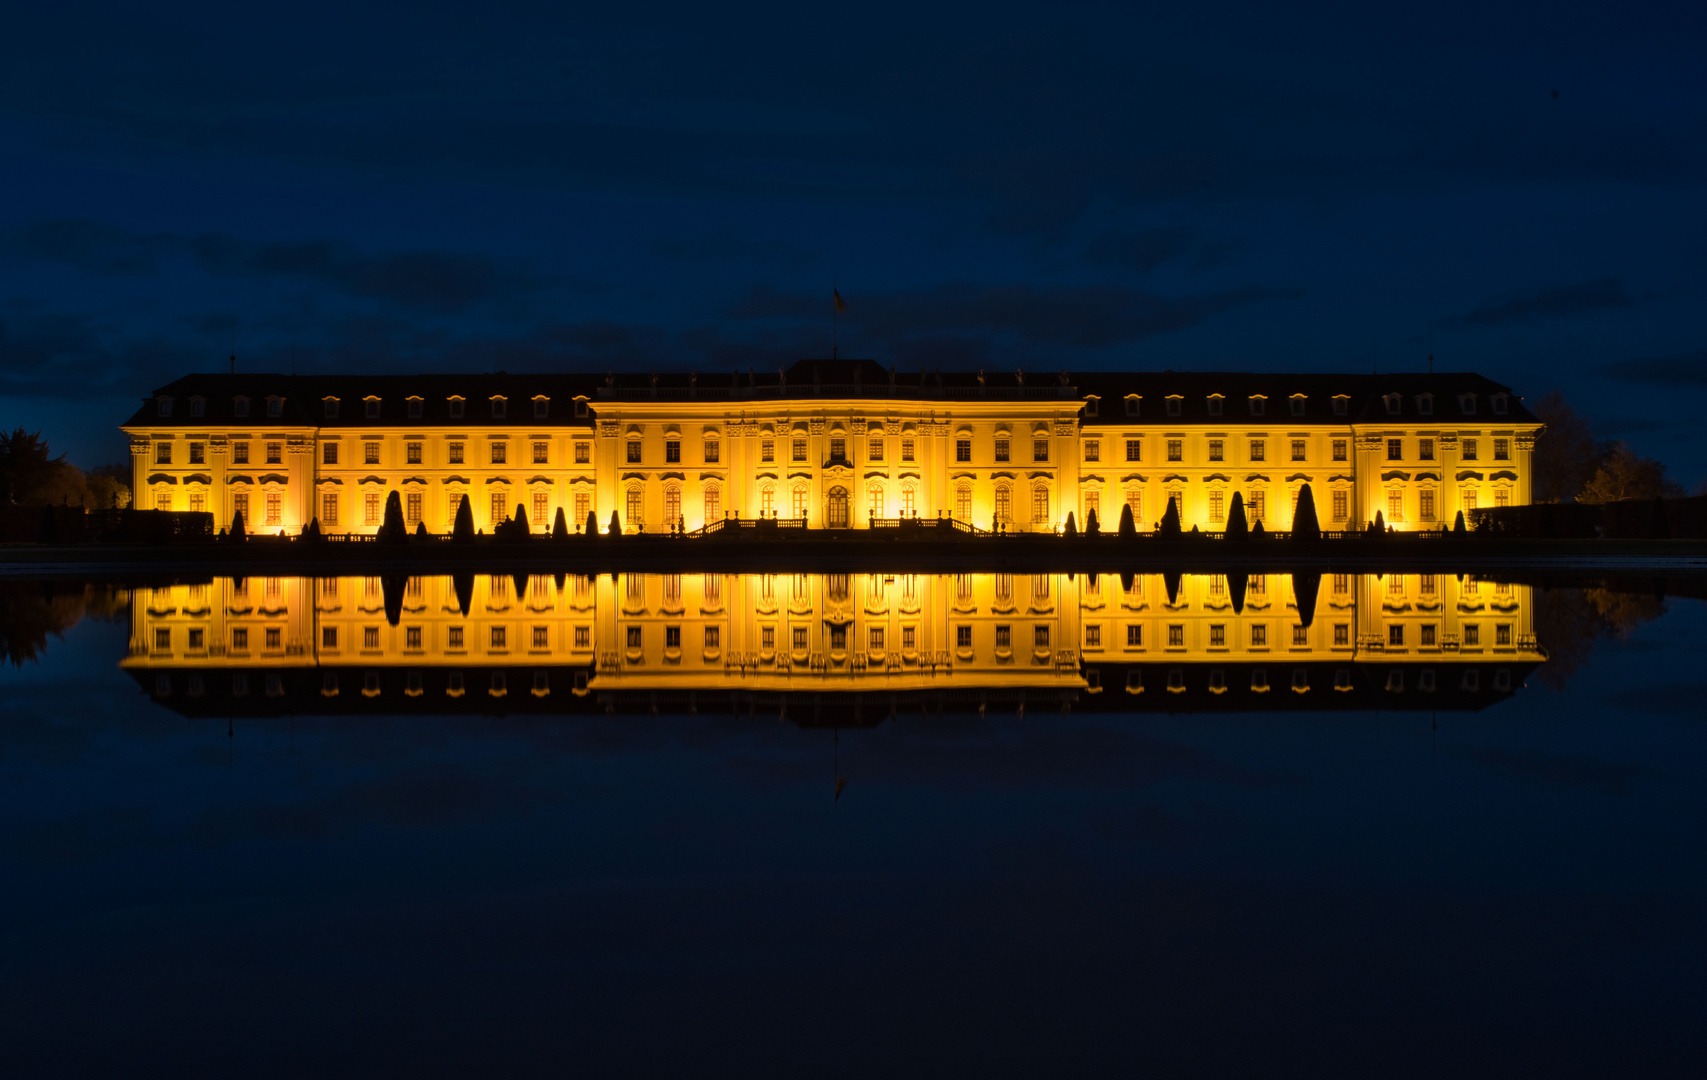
(1364, 395)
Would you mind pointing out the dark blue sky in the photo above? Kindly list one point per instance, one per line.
(1265, 187)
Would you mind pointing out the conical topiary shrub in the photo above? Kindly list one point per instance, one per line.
(238, 533)
(421, 532)
(592, 525)
(1305, 527)
(1237, 527)
(1376, 527)
(1128, 526)
(1170, 520)
(392, 530)
(462, 531)
(615, 524)
(1458, 528)
(560, 526)
(1093, 527)
(1072, 528)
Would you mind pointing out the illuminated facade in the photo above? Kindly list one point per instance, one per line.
(835, 444)
(484, 637)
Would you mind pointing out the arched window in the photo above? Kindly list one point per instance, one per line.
(635, 507)
(1004, 503)
(1040, 505)
(909, 501)
(713, 503)
(963, 502)
(799, 506)
(836, 508)
(672, 505)
(767, 500)
(874, 500)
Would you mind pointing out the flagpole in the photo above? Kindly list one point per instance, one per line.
(835, 321)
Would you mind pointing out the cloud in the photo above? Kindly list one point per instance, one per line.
(428, 281)
(1684, 369)
(1140, 252)
(1080, 316)
(1560, 302)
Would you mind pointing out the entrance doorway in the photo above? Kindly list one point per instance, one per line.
(836, 514)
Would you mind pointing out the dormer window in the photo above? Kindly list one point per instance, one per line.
(1132, 401)
(580, 408)
(370, 407)
(1214, 402)
(1091, 406)
(1175, 404)
(415, 407)
(198, 406)
(1297, 403)
(1467, 404)
(275, 407)
(1498, 403)
(500, 405)
(239, 406)
(456, 404)
(1342, 404)
(1259, 404)
(1394, 403)
(541, 407)
(331, 407)
(163, 406)
(1425, 404)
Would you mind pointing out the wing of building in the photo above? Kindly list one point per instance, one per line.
(837, 444)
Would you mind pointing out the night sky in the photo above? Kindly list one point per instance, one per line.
(657, 186)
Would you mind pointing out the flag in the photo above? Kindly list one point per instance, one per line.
(841, 305)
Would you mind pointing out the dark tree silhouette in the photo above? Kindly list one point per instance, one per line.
(1093, 527)
(421, 532)
(615, 525)
(1305, 527)
(1072, 528)
(592, 526)
(1170, 520)
(1566, 455)
(238, 532)
(1237, 527)
(1378, 527)
(31, 476)
(1458, 528)
(1128, 527)
(462, 531)
(393, 530)
(311, 531)
(560, 526)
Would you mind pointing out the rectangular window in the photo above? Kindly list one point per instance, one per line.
(1425, 506)
(1425, 449)
(838, 638)
(1217, 450)
(1395, 449)
(1040, 450)
(412, 638)
(1502, 449)
(767, 450)
(1004, 637)
(498, 638)
(1342, 634)
(329, 637)
(672, 450)
(1134, 450)
(1176, 449)
(275, 509)
(908, 637)
(1093, 450)
(240, 504)
(1427, 635)
(1469, 449)
(1259, 637)
(1472, 634)
(162, 639)
(963, 637)
(799, 637)
(1176, 635)
(1256, 505)
(875, 638)
(372, 507)
(500, 507)
(963, 503)
(1470, 500)
(1502, 498)
(1217, 509)
(541, 507)
(1340, 503)
(541, 453)
(240, 639)
(906, 449)
(412, 508)
(456, 453)
(500, 453)
(635, 506)
(963, 450)
(412, 453)
(453, 637)
(713, 451)
(714, 637)
(1134, 636)
(1258, 449)
(1340, 448)
(1002, 449)
(798, 449)
(198, 502)
(1396, 636)
(583, 453)
(1297, 449)
(1040, 506)
(370, 453)
(541, 637)
(713, 504)
(329, 508)
(583, 637)
(198, 453)
(1218, 636)
(370, 637)
(634, 452)
(162, 453)
(240, 453)
(1135, 499)
(583, 506)
(1040, 637)
(1395, 506)
(874, 449)
(1300, 636)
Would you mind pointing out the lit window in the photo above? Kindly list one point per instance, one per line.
(1298, 446)
(583, 453)
(798, 449)
(1093, 450)
(1176, 449)
(500, 453)
(906, 449)
(1395, 450)
(1134, 636)
(1217, 450)
(963, 449)
(1039, 637)
(713, 451)
(1340, 448)
(1040, 450)
(370, 453)
(456, 453)
(1002, 449)
(541, 453)
(672, 450)
(874, 450)
(1502, 449)
(1259, 449)
(1134, 449)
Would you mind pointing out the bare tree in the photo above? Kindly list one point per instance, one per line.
(1624, 475)
(1566, 456)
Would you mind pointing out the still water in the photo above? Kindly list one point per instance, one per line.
(851, 824)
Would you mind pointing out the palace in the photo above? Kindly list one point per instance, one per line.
(499, 642)
(837, 444)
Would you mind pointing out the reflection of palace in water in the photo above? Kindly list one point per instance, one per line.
(499, 643)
